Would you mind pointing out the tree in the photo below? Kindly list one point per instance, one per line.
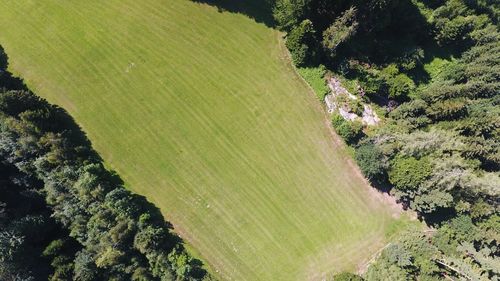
(430, 201)
(455, 21)
(350, 131)
(410, 257)
(87, 201)
(85, 268)
(400, 86)
(370, 160)
(289, 13)
(408, 173)
(300, 43)
(342, 29)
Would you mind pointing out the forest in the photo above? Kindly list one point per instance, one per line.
(431, 70)
(63, 216)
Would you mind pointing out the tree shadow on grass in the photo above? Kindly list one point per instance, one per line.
(258, 10)
(61, 122)
(7, 81)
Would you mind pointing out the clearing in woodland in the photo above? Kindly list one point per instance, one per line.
(201, 112)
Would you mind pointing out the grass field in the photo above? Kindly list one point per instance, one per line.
(201, 112)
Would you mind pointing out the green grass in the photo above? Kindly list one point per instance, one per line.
(315, 77)
(201, 112)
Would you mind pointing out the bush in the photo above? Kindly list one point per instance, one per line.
(455, 21)
(452, 31)
(407, 173)
(356, 106)
(289, 13)
(370, 160)
(411, 114)
(337, 120)
(342, 29)
(350, 131)
(411, 59)
(315, 77)
(415, 108)
(372, 84)
(387, 81)
(300, 43)
(448, 109)
(347, 276)
(400, 86)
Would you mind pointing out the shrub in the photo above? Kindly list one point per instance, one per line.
(400, 86)
(347, 276)
(406, 110)
(448, 109)
(388, 81)
(411, 59)
(315, 77)
(372, 84)
(337, 120)
(454, 22)
(411, 114)
(451, 31)
(342, 29)
(300, 41)
(350, 131)
(356, 106)
(407, 173)
(288, 13)
(370, 160)
(389, 71)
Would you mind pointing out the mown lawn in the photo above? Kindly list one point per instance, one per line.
(201, 112)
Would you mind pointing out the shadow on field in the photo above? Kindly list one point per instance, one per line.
(61, 122)
(259, 10)
(7, 81)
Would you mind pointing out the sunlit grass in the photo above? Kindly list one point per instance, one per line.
(201, 112)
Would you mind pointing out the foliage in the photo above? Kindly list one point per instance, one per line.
(350, 131)
(411, 59)
(400, 86)
(347, 276)
(26, 231)
(315, 77)
(232, 83)
(411, 114)
(355, 106)
(409, 256)
(454, 23)
(113, 234)
(343, 28)
(408, 173)
(435, 67)
(442, 143)
(371, 161)
(299, 43)
(289, 13)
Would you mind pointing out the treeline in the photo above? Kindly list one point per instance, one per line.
(26, 228)
(63, 216)
(432, 69)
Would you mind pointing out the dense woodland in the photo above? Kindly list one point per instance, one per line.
(63, 216)
(432, 68)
